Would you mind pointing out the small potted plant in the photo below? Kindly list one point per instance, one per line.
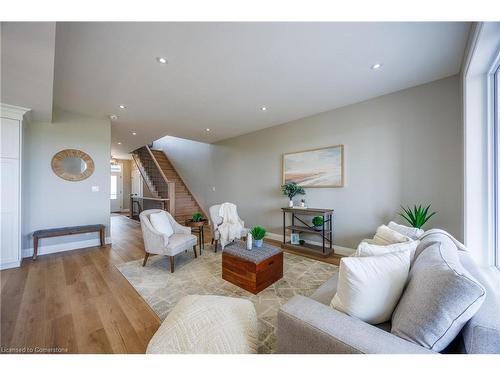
(258, 234)
(291, 189)
(317, 222)
(197, 217)
(416, 216)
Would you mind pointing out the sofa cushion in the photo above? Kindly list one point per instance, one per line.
(387, 236)
(366, 249)
(369, 287)
(481, 334)
(413, 233)
(325, 293)
(441, 296)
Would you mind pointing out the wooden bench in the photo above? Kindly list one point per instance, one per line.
(66, 231)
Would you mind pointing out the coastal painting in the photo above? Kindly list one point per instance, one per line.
(322, 167)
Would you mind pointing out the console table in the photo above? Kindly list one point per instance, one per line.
(298, 225)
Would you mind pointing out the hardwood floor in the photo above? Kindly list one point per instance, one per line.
(78, 301)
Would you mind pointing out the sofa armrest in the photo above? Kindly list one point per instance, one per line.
(307, 326)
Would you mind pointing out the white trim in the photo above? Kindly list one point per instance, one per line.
(13, 112)
(67, 246)
(5, 266)
(338, 249)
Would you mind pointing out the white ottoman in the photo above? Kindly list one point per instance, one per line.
(208, 324)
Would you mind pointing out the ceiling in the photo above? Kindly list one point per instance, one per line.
(220, 75)
(27, 66)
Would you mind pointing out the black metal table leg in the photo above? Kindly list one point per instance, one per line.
(323, 234)
(284, 230)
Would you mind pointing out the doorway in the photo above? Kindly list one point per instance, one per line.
(116, 196)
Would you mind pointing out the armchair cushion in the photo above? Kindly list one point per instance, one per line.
(161, 223)
(180, 242)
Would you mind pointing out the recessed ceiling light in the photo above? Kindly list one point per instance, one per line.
(376, 66)
(207, 129)
(122, 106)
(119, 143)
(134, 133)
(161, 60)
(263, 109)
(113, 117)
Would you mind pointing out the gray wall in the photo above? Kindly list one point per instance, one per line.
(401, 148)
(49, 201)
(193, 162)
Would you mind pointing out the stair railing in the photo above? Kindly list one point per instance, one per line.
(170, 184)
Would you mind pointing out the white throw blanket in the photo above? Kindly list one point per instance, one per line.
(231, 226)
(458, 244)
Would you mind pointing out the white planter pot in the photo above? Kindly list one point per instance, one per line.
(290, 204)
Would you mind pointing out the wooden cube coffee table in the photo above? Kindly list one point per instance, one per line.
(253, 270)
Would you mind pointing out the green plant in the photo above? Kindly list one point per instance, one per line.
(318, 221)
(291, 189)
(416, 216)
(302, 242)
(258, 233)
(197, 216)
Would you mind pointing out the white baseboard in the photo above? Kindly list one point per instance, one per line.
(67, 246)
(338, 249)
(5, 266)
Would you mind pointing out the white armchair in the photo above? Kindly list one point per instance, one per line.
(215, 221)
(158, 243)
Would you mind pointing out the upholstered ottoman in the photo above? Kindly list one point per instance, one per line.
(208, 324)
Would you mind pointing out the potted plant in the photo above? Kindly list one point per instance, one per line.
(197, 217)
(291, 189)
(317, 222)
(416, 216)
(258, 234)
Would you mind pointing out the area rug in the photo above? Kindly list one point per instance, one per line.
(162, 289)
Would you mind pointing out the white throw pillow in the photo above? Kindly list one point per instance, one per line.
(369, 288)
(160, 222)
(388, 236)
(366, 249)
(413, 233)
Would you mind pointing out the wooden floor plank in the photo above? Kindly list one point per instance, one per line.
(78, 301)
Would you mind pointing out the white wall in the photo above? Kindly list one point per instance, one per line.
(401, 148)
(49, 201)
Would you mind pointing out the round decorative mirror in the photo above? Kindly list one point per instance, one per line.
(72, 165)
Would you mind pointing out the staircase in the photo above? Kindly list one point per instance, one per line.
(164, 182)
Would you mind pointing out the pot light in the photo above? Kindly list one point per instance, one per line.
(207, 129)
(161, 60)
(376, 66)
(113, 117)
(119, 143)
(134, 133)
(263, 109)
(122, 106)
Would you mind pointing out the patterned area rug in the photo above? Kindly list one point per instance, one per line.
(162, 290)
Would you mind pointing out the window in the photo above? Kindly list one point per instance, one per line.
(496, 123)
(114, 187)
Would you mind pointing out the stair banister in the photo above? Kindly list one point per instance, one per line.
(170, 184)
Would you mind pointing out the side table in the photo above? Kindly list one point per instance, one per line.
(197, 227)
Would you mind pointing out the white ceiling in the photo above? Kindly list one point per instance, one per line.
(219, 75)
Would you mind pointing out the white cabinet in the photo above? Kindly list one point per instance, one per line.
(11, 124)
